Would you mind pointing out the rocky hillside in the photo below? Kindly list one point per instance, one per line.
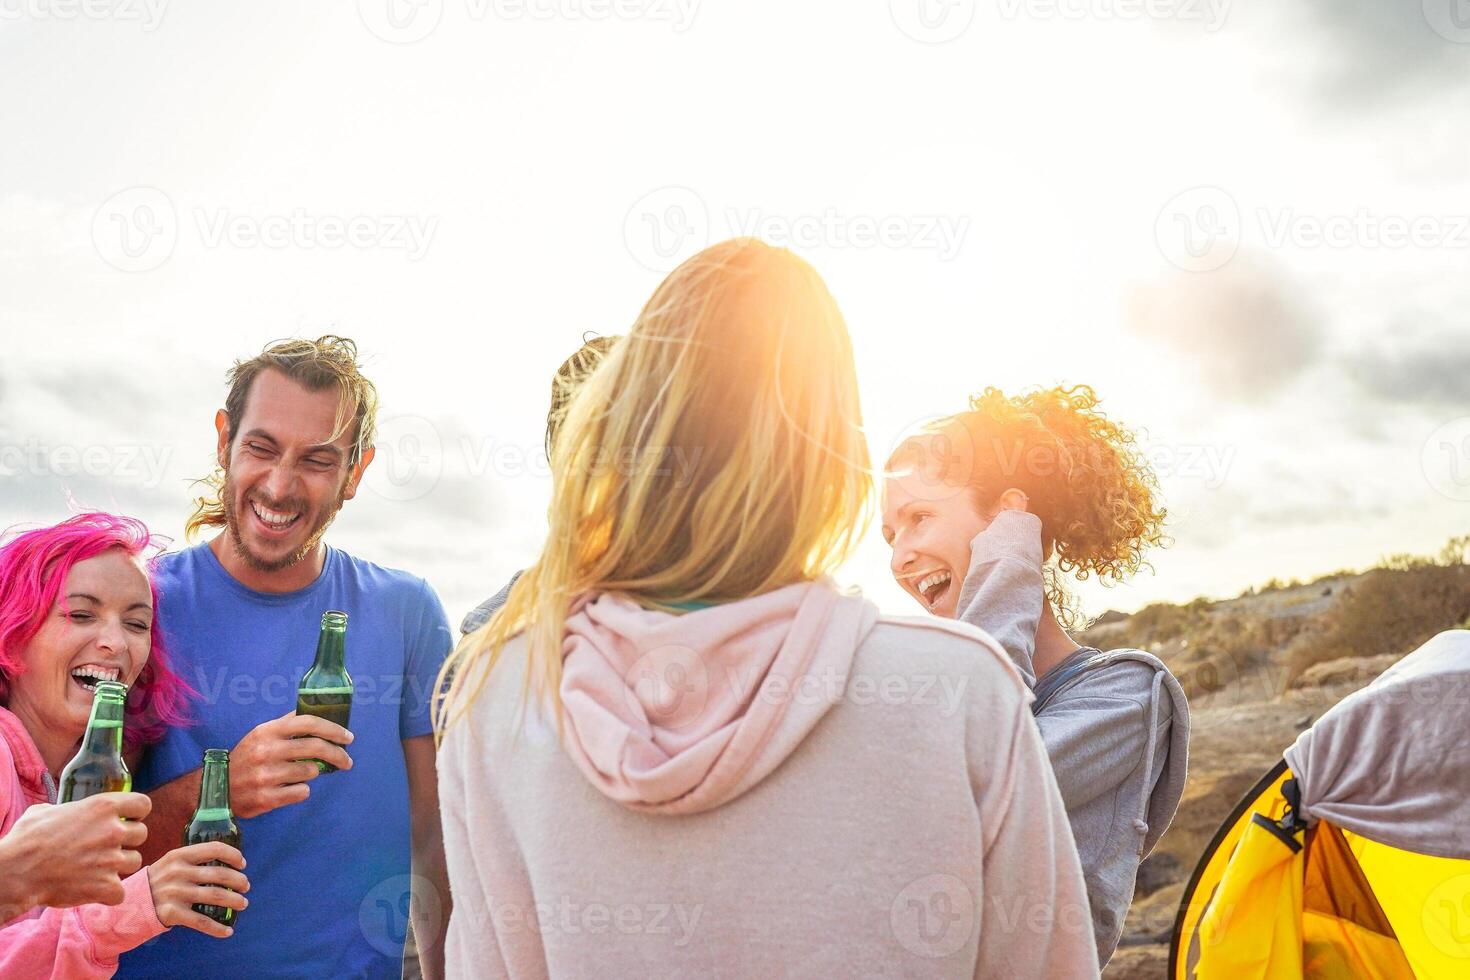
(1258, 669)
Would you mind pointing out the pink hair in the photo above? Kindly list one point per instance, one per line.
(33, 567)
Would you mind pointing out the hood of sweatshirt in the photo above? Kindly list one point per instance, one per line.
(679, 714)
(31, 773)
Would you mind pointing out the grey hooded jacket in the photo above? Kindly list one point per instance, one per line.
(1117, 733)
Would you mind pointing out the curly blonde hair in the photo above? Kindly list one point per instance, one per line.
(1096, 495)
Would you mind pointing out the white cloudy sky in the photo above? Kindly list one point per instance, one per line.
(1105, 191)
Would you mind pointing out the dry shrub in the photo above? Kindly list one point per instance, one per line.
(1387, 610)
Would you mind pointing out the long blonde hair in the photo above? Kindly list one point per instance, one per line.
(716, 452)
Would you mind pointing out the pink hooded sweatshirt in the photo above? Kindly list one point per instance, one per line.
(787, 785)
(62, 944)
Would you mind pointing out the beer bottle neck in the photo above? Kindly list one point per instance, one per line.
(331, 650)
(104, 727)
(214, 785)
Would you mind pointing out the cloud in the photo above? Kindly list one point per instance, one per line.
(1373, 49)
(1240, 327)
(1424, 365)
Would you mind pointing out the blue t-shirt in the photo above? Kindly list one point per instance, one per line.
(329, 877)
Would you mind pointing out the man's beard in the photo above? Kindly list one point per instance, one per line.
(254, 561)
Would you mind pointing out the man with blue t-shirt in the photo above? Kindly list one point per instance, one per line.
(334, 859)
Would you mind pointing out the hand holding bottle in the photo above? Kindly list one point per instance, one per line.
(272, 764)
(186, 877)
(74, 853)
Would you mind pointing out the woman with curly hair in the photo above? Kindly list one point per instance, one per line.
(987, 512)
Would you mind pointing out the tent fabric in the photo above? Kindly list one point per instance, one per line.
(1391, 762)
(1294, 905)
(1426, 899)
(1265, 798)
(1346, 935)
(1252, 926)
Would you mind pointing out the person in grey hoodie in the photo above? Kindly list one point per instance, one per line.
(969, 543)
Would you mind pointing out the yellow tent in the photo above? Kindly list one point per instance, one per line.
(1350, 859)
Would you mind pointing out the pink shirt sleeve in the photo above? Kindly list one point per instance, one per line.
(83, 942)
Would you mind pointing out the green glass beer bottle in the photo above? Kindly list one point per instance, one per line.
(98, 766)
(213, 821)
(326, 689)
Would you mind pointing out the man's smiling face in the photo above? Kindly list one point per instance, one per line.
(287, 471)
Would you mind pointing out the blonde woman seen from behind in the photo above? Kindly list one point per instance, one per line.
(679, 750)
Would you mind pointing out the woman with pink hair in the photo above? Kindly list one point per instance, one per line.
(77, 606)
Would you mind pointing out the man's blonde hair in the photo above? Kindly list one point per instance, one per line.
(327, 362)
(741, 364)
